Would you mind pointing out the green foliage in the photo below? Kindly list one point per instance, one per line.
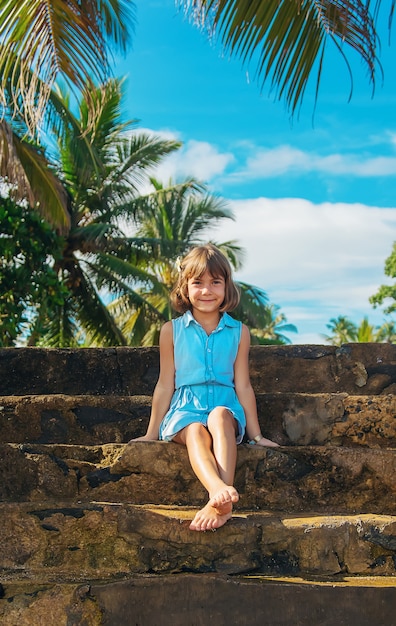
(343, 330)
(28, 281)
(387, 292)
(172, 219)
(42, 42)
(266, 323)
(102, 167)
(286, 41)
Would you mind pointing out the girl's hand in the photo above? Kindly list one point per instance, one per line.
(143, 438)
(267, 443)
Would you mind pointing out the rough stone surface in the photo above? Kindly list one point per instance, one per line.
(59, 418)
(95, 532)
(82, 542)
(353, 368)
(53, 605)
(336, 419)
(289, 418)
(183, 600)
(346, 480)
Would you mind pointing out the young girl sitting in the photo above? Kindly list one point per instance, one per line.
(203, 398)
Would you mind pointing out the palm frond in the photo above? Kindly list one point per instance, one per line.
(136, 154)
(94, 315)
(57, 328)
(285, 40)
(53, 39)
(28, 172)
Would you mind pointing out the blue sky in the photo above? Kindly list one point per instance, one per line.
(313, 197)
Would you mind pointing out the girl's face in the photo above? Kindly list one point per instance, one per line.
(206, 293)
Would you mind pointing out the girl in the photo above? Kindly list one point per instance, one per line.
(203, 398)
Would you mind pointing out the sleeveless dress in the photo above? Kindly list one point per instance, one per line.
(204, 378)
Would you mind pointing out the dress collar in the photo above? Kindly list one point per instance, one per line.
(225, 320)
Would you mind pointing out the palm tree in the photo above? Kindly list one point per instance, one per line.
(366, 332)
(170, 220)
(102, 168)
(264, 320)
(343, 331)
(40, 43)
(173, 219)
(273, 327)
(387, 332)
(28, 175)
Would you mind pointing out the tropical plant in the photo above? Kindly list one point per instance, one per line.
(40, 43)
(266, 323)
(287, 40)
(69, 39)
(27, 174)
(57, 40)
(170, 219)
(178, 217)
(29, 249)
(272, 327)
(346, 331)
(366, 332)
(343, 330)
(102, 168)
(387, 332)
(387, 292)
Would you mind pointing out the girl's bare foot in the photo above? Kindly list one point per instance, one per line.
(225, 496)
(210, 518)
(217, 511)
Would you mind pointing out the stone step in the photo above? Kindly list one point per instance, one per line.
(289, 418)
(352, 368)
(293, 479)
(59, 418)
(191, 599)
(80, 541)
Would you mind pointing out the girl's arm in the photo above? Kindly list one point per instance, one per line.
(165, 385)
(245, 393)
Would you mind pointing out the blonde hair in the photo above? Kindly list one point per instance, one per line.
(199, 260)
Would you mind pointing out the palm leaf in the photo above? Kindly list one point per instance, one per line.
(53, 39)
(94, 316)
(27, 170)
(286, 39)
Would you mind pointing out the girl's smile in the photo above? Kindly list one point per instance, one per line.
(207, 292)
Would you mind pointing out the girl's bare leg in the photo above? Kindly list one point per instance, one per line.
(222, 427)
(216, 474)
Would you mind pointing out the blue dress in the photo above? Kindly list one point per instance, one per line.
(204, 377)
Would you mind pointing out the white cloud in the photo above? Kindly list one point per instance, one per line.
(315, 261)
(392, 137)
(199, 159)
(206, 162)
(275, 162)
